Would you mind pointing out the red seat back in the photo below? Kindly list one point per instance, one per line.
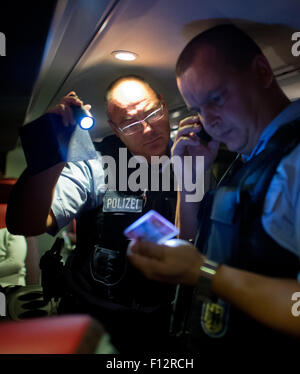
(6, 185)
(3, 208)
(51, 335)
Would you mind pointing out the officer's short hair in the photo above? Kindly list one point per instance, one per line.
(237, 48)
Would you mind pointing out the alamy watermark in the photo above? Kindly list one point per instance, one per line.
(296, 46)
(2, 44)
(296, 305)
(188, 174)
(2, 305)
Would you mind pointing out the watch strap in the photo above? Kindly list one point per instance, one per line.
(207, 271)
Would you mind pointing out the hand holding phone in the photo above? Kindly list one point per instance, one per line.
(193, 140)
(191, 126)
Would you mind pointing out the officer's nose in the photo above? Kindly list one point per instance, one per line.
(147, 127)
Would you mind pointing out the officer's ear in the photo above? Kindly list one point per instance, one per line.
(162, 100)
(263, 70)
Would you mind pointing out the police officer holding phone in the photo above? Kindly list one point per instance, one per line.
(244, 264)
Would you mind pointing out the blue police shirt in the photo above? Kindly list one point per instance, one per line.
(281, 213)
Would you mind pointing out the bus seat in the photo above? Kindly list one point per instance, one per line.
(66, 334)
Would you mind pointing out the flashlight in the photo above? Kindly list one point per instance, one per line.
(83, 117)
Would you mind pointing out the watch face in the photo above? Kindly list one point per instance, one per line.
(208, 269)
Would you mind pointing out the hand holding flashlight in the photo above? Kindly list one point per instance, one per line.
(73, 112)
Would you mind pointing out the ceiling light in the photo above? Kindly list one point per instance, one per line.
(176, 114)
(124, 55)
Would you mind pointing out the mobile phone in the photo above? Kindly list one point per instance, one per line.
(152, 227)
(203, 135)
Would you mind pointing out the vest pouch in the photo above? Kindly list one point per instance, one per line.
(52, 272)
(112, 281)
(224, 224)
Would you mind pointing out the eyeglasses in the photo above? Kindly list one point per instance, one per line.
(137, 126)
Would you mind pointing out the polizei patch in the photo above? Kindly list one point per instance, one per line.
(116, 202)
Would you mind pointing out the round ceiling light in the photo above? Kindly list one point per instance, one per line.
(124, 55)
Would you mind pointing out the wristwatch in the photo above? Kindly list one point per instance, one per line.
(207, 272)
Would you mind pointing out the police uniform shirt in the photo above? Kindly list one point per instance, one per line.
(281, 213)
(80, 188)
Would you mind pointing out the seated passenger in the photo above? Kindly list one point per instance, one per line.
(13, 250)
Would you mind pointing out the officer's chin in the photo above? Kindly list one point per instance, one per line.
(157, 147)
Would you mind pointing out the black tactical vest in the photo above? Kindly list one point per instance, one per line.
(230, 232)
(99, 272)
